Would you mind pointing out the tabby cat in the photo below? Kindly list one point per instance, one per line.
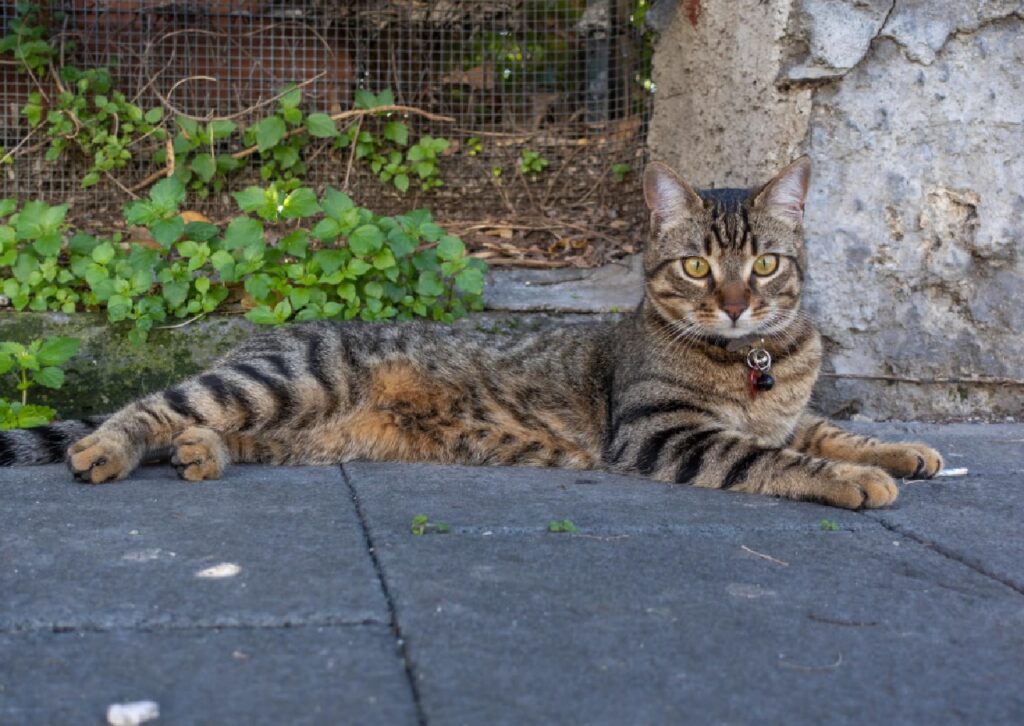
(665, 393)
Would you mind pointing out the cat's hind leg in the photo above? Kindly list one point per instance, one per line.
(818, 437)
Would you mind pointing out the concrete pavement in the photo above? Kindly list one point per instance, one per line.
(300, 595)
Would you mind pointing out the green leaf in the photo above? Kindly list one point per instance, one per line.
(269, 132)
(450, 248)
(262, 315)
(50, 376)
(429, 284)
(470, 281)
(204, 166)
(386, 98)
(167, 231)
(291, 99)
(175, 293)
(31, 416)
(401, 182)
(364, 99)
(327, 229)
(167, 194)
(250, 198)
(396, 131)
(103, 253)
(321, 126)
(154, 115)
(300, 203)
(330, 260)
(243, 232)
(48, 245)
(56, 351)
(336, 203)
(200, 231)
(366, 239)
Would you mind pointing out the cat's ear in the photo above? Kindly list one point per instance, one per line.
(783, 197)
(670, 199)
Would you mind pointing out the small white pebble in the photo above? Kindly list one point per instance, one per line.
(224, 569)
(132, 714)
(895, 544)
(952, 472)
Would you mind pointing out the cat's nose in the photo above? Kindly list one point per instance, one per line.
(734, 310)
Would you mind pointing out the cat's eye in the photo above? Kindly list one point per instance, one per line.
(766, 265)
(696, 267)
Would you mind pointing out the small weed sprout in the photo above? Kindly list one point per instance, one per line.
(621, 171)
(531, 163)
(422, 525)
(827, 525)
(561, 526)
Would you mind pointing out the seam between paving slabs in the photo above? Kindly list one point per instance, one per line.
(149, 627)
(396, 628)
(946, 553)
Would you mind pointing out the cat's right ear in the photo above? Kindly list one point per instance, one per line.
(670, 199)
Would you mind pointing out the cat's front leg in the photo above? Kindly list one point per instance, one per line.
(725, 459)
(819, 437)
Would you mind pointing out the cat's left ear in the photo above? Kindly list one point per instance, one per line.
(783, 197)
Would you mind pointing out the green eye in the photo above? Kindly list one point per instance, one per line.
(696, 267)
(766, 264)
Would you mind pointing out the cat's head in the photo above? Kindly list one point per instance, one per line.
(726, 262)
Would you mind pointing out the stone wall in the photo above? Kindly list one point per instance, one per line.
(912, 112)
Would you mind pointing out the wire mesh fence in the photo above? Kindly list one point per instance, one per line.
(539, 108)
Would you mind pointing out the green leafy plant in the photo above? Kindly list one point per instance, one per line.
(342, 262)
(531, 163)
(89, 115)
(561, 526)
(421, 525)
(386, 148)
(37, 363)
(26, 40)
(827, 525)
(474, 146)
(280, 138)
(202, 162)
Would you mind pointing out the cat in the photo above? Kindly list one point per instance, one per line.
(680, 391)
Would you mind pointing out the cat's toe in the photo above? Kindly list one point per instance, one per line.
(911, 460)
(199, 454)
(96, 459)
(862, 487)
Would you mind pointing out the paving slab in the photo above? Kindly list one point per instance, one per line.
(299, 675)
(133, 553)
(977, 518)
(672, 603)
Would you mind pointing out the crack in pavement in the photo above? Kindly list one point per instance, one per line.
(396, 628)
(946, 553)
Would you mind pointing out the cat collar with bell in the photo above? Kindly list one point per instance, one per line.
(759, 361)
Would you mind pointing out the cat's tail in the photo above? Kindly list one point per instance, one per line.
(44, 444)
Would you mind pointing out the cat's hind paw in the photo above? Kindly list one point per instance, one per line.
(101, 457)
(199, 454)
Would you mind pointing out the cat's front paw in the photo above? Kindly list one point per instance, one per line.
(101, 457)
(852, 486)
(910, 459)
(199, 454)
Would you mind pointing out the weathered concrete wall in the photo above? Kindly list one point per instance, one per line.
(913, 114)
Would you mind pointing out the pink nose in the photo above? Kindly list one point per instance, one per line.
(734, 310)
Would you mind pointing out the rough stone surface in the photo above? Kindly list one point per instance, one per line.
(719, 117)
(910, 111)
(670, 601)
(654, 611)
(617, 287)
(291, 532)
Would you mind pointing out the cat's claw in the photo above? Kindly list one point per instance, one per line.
(97, 459)
(911, 460)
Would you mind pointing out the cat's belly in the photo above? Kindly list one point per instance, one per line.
(406, 414)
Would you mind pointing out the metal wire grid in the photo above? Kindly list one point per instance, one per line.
(562, 78)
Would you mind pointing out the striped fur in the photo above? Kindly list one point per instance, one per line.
(662, 393)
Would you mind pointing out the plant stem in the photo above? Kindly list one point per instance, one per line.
(24, 387)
